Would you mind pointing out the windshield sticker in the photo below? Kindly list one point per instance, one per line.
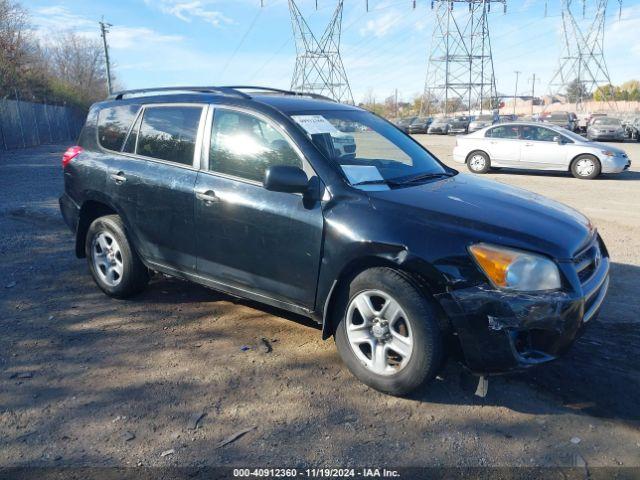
(314, 124)
(364, 173)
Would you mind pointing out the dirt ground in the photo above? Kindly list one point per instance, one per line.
(166, 378)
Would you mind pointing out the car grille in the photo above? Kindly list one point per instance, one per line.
(588, 260)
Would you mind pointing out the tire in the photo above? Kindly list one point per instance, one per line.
(398, 372)
(478, 162)
(114, 264)
(580, 167)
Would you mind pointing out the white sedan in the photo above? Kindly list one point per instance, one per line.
(536, 146)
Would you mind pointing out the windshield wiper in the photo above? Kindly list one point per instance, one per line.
(379, 181)
(424, 176)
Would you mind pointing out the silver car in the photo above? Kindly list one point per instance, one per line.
(536, 146)
(606, 128)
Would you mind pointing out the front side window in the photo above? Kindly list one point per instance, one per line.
(374, 152)
(169, 133)
(114, 124)
(504, 131)
(244, 146)
(538, 134)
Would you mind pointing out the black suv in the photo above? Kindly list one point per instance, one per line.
(399, 257)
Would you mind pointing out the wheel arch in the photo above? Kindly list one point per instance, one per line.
(578, 156)
(330, 316)
(89, 211)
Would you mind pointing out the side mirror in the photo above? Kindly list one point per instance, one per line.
(284, 178)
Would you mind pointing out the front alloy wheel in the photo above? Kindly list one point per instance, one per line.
(378, 332)
(388, 334)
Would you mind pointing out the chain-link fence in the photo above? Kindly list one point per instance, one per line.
(27, 124)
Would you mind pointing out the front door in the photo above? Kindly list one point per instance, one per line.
(540, 149)
(267, 243)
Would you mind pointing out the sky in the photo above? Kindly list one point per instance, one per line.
(238, 42)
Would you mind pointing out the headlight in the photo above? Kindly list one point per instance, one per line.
(608, 153)
(516, 269)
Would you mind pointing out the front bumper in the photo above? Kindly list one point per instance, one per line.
(502, 331)
(615, 164)
(458, 130)
(439, 130)
(612, 137)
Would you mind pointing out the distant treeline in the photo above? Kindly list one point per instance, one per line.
(66, 69)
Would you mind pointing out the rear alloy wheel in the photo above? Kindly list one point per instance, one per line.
(585, 167)
(478, 162)
(388, 335)
(114, 264)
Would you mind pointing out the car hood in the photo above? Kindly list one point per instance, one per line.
(488, 211)
(604, 146)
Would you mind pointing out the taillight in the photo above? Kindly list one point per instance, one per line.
(70, 154)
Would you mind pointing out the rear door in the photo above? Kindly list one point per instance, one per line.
(248, 238)
(504, 144)
(165, 143)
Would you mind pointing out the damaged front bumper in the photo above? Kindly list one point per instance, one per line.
(500, 331)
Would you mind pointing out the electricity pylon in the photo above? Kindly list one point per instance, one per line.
(460, 71)
(319, 68)
(582, 58)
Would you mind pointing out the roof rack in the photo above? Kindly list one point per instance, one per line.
(233, 91)
(141, 91)
(280, 91)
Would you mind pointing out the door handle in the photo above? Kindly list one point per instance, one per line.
(208, 198)
(119, 177)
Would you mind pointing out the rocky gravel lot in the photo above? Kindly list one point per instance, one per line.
(184, 376)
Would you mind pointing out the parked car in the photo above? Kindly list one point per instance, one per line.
(507, 118)
(400, 258)
(539, 147)
(420, 125)
(403, 123)
(459, 124)
(440, 125)
(565, 120)
(585, 121)
(606, 128)
(481, 121)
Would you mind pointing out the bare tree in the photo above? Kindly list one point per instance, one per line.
(16, 45)
(77, 63)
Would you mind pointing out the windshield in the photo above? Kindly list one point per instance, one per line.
(607, 121)
(484, 118)
(376, 153)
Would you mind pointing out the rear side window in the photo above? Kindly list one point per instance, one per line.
(169, 133)
(504, 131)
(114, 124)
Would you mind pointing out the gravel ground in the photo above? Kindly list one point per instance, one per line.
(90, 381)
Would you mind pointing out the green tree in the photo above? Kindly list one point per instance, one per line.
(576, 91)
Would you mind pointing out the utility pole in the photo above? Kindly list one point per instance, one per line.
(396, 97)
(533, 92)
(104, 29)
(515, 95)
